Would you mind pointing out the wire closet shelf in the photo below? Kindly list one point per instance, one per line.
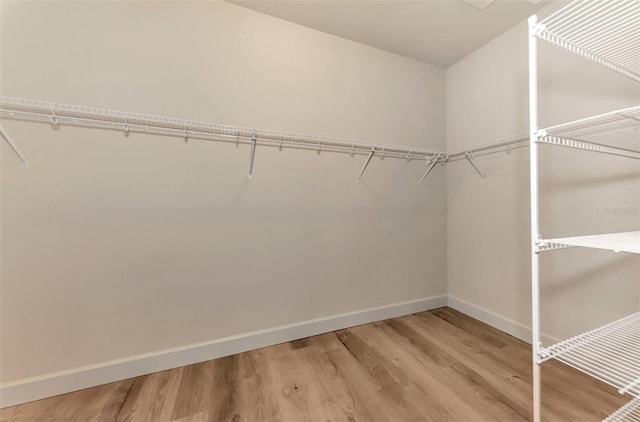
(55, 113)
(19, 108)
(630, 412)
(575, 134)
(617, 242)
(608, 353)
(605, 32)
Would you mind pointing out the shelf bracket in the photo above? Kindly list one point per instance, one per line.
(431, 164)
(366, 163)
(543, 353)
(252, 156)
(540, 134)
(14, 147)
(469, 158)
(539, 28)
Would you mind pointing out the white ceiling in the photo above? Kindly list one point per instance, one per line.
(439, 32)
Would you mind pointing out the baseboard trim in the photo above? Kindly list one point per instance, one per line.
(496, 321)
(30, 389)
(499, 322)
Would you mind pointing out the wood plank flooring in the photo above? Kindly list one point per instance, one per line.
(432, 366)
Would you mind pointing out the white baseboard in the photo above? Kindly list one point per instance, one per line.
(499, 322)
(34, 388)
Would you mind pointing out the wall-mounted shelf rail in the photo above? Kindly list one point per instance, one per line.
(33, 110)
(56, 114)
(127, 122)
(19, 108)
(606, 32)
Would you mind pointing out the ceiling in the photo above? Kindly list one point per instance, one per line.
(439, 32)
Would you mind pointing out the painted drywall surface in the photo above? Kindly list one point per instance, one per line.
(114, 246)
(582, 193)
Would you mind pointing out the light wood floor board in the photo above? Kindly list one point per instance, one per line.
(432, 366)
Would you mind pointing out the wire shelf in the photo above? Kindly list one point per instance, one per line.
(19, 108)
(609, 353)
(590, 146)
(573, 134)
(614, 120)
(505, 144)
(617, 242)
(630, 412)
(606, 32)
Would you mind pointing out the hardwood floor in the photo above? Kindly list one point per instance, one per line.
(432, 366)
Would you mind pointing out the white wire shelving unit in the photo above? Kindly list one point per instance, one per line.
(607, 33)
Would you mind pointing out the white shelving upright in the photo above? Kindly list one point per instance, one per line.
(608, 33)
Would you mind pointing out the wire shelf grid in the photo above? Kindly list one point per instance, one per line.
(630, 412)
(608, 353)
(573, 134)
(617, 242)
(127, 121)
(606, 32)
(627, 118)
(590, 146)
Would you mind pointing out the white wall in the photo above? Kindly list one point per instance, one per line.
(488, 261)
(114, 246)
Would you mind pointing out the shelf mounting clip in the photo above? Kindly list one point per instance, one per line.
(540, 134)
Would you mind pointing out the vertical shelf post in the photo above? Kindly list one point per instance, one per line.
(535, 231)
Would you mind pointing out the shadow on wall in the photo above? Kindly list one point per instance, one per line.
(593, 275)
(589, 181)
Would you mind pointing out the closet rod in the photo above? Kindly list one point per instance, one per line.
(18, 108)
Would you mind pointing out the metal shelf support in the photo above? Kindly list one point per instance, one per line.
(252, 156)
(535, 231)
(469, 158)
(14, 147)
(430, 166)
(366, 163)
